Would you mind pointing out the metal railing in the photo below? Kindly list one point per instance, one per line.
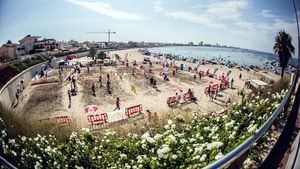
(6, 163)
(236, 153)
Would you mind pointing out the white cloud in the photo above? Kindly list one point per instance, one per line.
(199, 6)
(267, 14)
(212, 15)
(228, 16)
(227, 10)
(244, 25)
(158, 6)
(190, 17)
(106, 9)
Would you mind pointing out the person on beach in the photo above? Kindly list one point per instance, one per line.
(193, 98)
(108, 87)
(22, 84)
(133, 72)
(177, 98)
(69, 96)
(42, 73)
(145, 73)
(149, 116)
(19, 88)
(73, 82)
(108, 77)
(195, 76)
(240, 77)
(88, 69)
(200, 75)
(59, 72)
(166, 77)
(100, 80)
(174, 72)
(154, 83)
(17, 96)
(231, 83)
(227, 102)
(209, 90)
(211, 96)
(151, 81)
(78, 69)
(216, 93)
(118, 104)
(93, 90)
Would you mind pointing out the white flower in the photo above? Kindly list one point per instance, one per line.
(183, 141)
(171, 139)
(123, 156)
(85, 130)
(157, 136)
(247, 162)
(219, 155)
(198, 149)
(173, 126)
(174, 157)
(212, 145)
(203, 157)
(229, 124)
(232, 135)
(146, 136)
(196, 157)
(161, 152)
(192, 140)
(252, 128)
(38, 165)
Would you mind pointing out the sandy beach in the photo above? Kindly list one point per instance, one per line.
(133, 90)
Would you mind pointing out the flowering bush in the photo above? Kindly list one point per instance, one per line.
(182, 144)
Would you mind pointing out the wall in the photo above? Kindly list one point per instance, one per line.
(7, 93)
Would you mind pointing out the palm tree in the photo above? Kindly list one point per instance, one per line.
(284, 49)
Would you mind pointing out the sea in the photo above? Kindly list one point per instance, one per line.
(240, 56)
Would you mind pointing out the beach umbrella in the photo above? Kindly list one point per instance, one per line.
(211, 82)
(91, 109)
(177, 90)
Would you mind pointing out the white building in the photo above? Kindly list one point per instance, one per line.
(28, 43)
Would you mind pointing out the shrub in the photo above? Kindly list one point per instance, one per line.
(181, 144)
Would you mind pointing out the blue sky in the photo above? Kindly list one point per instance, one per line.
(245, 23)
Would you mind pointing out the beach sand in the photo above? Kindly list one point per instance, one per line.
(134, 90)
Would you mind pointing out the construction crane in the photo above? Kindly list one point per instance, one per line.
(108, 33)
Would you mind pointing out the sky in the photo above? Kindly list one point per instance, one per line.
(251, 24)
